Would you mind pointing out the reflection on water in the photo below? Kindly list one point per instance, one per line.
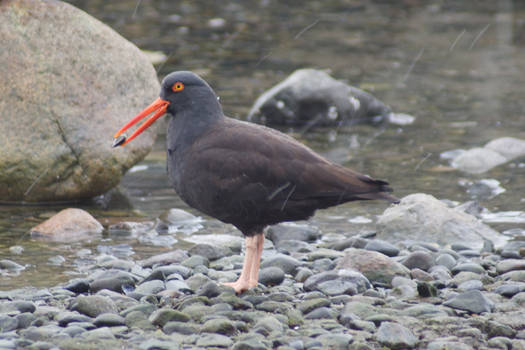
(459, 67)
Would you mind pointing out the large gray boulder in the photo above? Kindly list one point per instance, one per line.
(67, 84)
(312, 97)
(422, 217)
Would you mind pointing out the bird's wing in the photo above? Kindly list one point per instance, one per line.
(255, 162)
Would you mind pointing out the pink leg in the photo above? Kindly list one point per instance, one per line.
(250, 269)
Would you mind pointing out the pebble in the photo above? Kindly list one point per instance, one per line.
(396, 336)
(94, 305)
(472, 301)
(381, 246)
(271, 276)
(419, 259)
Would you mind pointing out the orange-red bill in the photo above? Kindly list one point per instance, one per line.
(159, 106)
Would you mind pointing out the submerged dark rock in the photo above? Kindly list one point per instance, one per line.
(310, 97)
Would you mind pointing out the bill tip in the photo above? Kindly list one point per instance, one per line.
(118, 141)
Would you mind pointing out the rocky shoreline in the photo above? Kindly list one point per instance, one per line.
(315, 292)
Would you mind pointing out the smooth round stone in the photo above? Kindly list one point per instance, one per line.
(472, 301)
(137, 319)
(116, 283)
(214, 340)
(396, 336)
(312, 304)
(294, 246)
(220, 326)
(150, 287)
(180, 327)
(419, 259)
(178, 285)
(210, 252)
(423, 311)
(209, 289)
(440, 273)
(66, 317)
(510, 289)
(94, 305)
(25, 319)
(324, 264)
(8, 324)
(321, 313)
(286, 263)
(335, 341)
(449, 345)
(98, 334)
(250, 344)
(420, 275)
(271, 276)
(446, 260)
(80, 285)
(510, 265)
(381, 246)
(470, 253)
(471, 285)
(270, 324)
(302, 274)
(159, 344)
(165, 315)
(464, 276)
(469, 267)
(73, 331)
(196, 260)
(109, 320)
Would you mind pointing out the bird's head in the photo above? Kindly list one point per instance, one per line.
(179, 91)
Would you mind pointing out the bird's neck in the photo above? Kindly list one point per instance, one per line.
(188, 125)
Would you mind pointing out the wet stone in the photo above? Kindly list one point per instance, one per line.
(180, 327)
(116, 283)
(419, 259)
(472, 301)
(150, 287)
(249, 344)
(448, 345)
(271, 276)
(94, 305)
(446, 260)
(286, 263)
(396, 336)
(78, 286)
(214, 340)
(293, 246)
(292, 231)
(165, 315)
(210, 252)
(66, 317)
(510, 265)
(25, 319)
(321, 313)
(109, 320)
(382, 247)
(312, 304)
(8, 324)
(510, 289)
(159, 344)
(470, 285)
(220, 326)
(468, 267)
(137, 319)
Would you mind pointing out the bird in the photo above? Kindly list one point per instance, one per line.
(241, 173)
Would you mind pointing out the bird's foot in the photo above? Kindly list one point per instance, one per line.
(241, 285)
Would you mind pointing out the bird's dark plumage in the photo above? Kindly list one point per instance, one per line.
(244, 174)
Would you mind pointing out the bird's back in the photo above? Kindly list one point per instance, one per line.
(252, 176)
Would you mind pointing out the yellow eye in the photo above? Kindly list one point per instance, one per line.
(178, 86)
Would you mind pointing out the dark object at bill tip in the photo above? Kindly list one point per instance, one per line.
(119, 141)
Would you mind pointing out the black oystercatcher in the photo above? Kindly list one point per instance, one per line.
(241, 173)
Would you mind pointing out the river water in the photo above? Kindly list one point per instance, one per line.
(458, 67)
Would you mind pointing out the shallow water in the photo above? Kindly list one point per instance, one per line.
(458, 67)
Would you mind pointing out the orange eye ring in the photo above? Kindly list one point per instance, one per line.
(178, 86)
